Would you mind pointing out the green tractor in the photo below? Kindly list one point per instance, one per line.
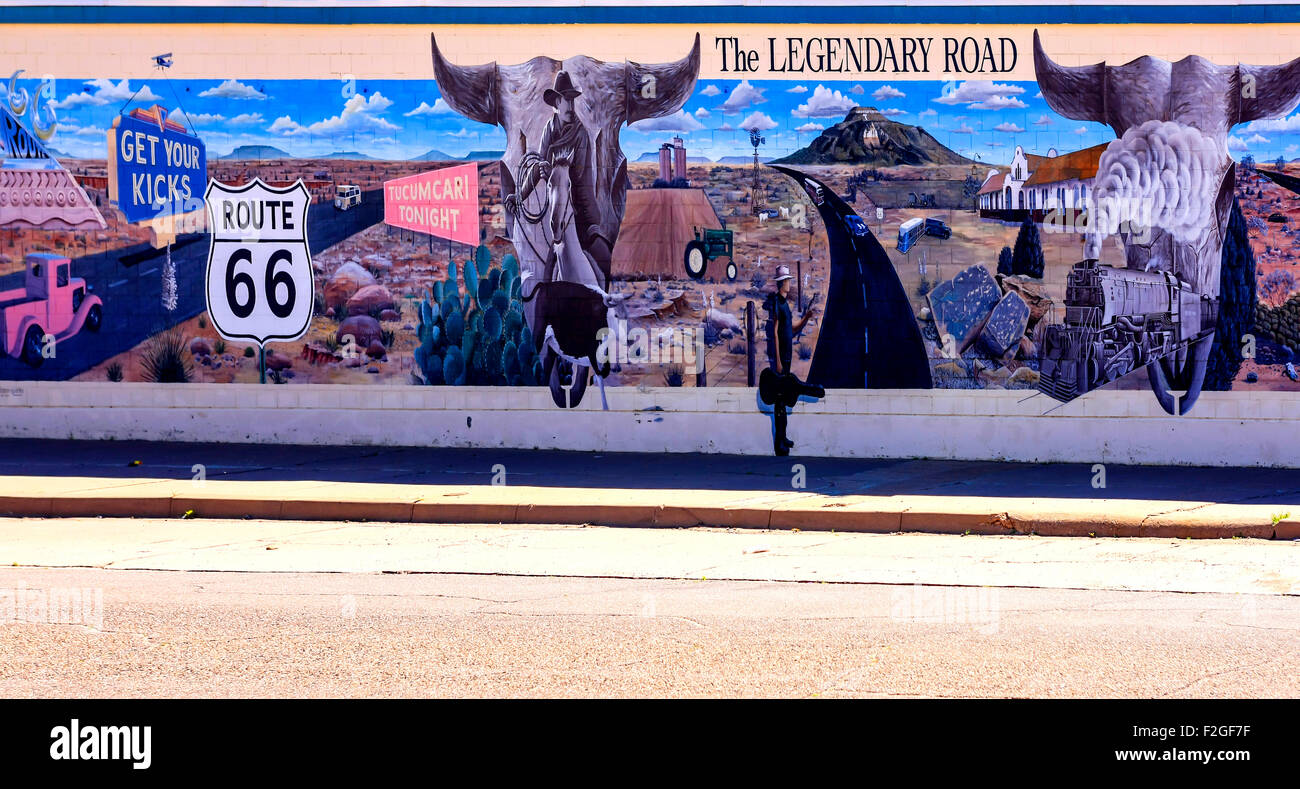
(708, 245)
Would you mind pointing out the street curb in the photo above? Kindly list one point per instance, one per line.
(45, 497)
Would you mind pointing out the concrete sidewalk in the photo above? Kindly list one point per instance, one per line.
(86, 479)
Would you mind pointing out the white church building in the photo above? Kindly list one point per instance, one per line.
(1034, 186)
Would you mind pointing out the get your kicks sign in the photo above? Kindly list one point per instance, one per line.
(155, 168)
(259, 279)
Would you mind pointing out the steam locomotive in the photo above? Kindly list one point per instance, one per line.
(1117, 320)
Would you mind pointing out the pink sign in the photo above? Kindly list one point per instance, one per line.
(442, 203)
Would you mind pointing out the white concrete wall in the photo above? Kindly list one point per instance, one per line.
(1225, 428)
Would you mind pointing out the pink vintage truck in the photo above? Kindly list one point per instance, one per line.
(51, 302)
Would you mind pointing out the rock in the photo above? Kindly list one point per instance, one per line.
(329, 312)
(1251, 378)
(371, 298)
(372, 370)
(1032, 293)
(924, 314)
(346, 280)
(376, 350)
(1005, 326)
(315, 353)
(1290, 372)
(961, 304)
(363, 328)
(1025, 375)
(723, 320)
(199, 346)
(390, 315)
(278, 361)
(1027, 349)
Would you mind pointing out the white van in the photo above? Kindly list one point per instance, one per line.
(347, 196)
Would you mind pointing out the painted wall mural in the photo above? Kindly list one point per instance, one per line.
(978, 206)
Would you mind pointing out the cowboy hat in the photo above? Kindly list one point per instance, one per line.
(782, 273)
(563, 87)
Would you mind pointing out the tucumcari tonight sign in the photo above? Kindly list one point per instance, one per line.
(156, 169)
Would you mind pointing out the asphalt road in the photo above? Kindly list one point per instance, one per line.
(186, 634)
(129, 280)
(446, 466)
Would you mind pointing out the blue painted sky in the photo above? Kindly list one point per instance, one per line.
(401, 119)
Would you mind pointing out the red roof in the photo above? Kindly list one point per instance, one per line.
(1076, 166)
(993, 184)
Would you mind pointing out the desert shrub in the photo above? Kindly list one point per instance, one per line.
(805, 353)
(249, 353)
(674, 375)
(114, 372)
(164, 359)
(219, 347)
(386, 336)
(1277, 287)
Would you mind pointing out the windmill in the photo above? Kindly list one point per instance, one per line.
(758, 197)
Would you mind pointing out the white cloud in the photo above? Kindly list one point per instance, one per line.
(247, 118)
(996, 144)
(196, 118)
(887, 92)
(928, 112)
(1081, 130)
(74, 100)
(824, 103)
(758, 120)
(105, 91)
(1256, 139)
(1237, 144)
(679, 121)
(233, 89)
(1043, 120)
(1288, 124)
(742, 96)
(963, 129)
(890, 112)
(703, 113)
(810, 127)
(1292, 148)
(710, 90)
(1009, 128)
(857, 90)
(90, 131)
(726, 127)
(439, 108)
(359, 115)
(797, 89)
(1038, 95)
(998, 103)
(984, 95)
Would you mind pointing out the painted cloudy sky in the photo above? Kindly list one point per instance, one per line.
(403, 119)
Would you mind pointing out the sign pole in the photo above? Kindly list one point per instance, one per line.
(261, 363)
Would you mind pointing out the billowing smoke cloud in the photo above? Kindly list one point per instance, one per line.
(1158, 175)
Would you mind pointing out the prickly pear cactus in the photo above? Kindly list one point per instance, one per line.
(478, 336)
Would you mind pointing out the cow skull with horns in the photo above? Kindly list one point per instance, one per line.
(564, 180)
(1169, 172)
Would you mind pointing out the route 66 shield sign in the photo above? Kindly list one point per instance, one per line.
(259, 277)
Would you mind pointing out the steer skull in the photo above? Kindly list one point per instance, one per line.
(568, 199)
(1171, 164)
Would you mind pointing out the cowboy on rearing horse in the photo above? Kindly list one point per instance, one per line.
(565, 142)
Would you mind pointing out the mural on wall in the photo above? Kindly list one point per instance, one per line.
(1101, 227)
